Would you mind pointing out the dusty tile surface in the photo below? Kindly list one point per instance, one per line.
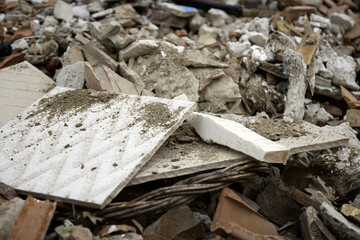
(186, 158)
(83, 146)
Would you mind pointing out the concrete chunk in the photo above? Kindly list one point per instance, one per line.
(351, 211)
(138, 48)
(309, 228)
(177, 223)
(63, 11)
(95, 56)
(71, 76)
(236, 136)
(126, 11)
(338, 223)
(343, 69)
(343, 20)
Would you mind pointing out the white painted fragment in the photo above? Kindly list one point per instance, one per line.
(238, 137)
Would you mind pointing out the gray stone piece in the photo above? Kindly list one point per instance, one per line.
(177, 223)
(343, 69)
(63, 11)
(138, 48)
(309, 228)
(8, 214)
(71, 76)
(343, 20)
(338, 224)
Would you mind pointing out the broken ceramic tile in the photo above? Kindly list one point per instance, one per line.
(236, 136)
(78, 172)
(190, 157)
(21, 86)
(33, 220)
(233, 217)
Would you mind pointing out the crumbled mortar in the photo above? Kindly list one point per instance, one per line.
(75, 101)
(276, 128)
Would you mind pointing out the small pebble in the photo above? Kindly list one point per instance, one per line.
(78, 125)
(175, 166)
(67, 145)
(296, 134)
(175, 159)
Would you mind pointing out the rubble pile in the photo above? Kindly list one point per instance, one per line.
(199, 119)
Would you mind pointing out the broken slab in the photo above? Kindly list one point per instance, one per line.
(33, 220)
(130, 75)
(103, 31)
(233, 217)
(343, 228)
(313, 137)
(343, 69)
(71, 76)
(21, 85)
(63, 11)
(351, 212)
(91, 79)
(309, 229)
(103, 78)
(73, 232)
(353, 117)
(345, 130)
(138, 48)
(126, 11)
(349, 98)
(196, 59)
(343, 20)
(177, 223)
(234, 135)
(96, 56)
(73, 55)
(88, 167)
(277, 205)
(186, 158)
(8, 214)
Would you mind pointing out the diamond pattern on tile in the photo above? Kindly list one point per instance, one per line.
(87, 165)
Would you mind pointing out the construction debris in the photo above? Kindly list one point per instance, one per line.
(33, 220)
(53, 118)
(235, 218)
(271, 151)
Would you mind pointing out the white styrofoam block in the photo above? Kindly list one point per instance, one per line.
(20, 86)
(98, 161)
(238, 137)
